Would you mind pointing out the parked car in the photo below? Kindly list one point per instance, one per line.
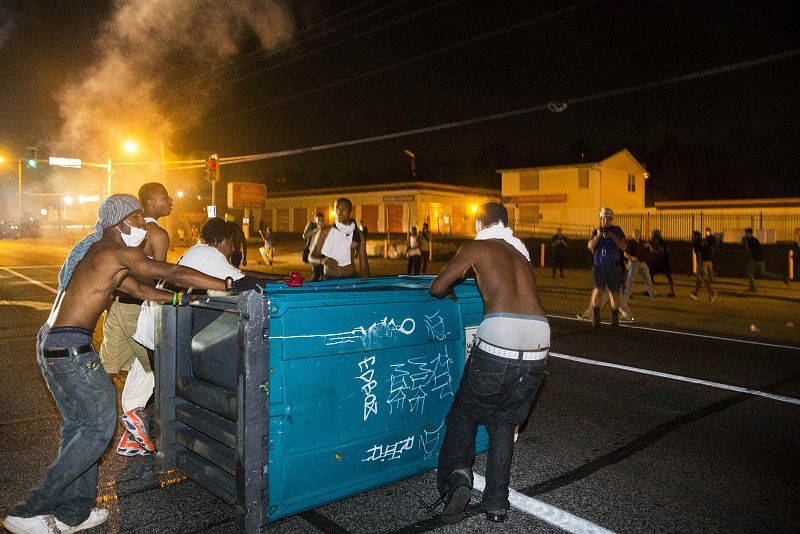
(9, 229)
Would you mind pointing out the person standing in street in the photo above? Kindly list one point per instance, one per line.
(606, 243)
(506, 364)
(558, 247)
(156, 203)
(64, 499)
(659, 260)
(425, 246)
(756, 263)
(413, 252)
(268, 250)
(637, 253)
(702, 249)
(335, 247)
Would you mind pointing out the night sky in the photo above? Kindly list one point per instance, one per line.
(300, 74)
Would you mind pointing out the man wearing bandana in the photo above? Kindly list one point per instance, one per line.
(505, 367)
(102, 262)
(335, 247)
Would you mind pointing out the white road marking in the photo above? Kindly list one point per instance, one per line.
(781, 398)
(28, 266)
(31, 280)
(39, 306)
(692, 334)
(547, 512)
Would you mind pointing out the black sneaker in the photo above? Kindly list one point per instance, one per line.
(459, 493)
(498, 516)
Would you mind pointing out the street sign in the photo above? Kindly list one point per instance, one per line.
(247, 195)
(65, 162)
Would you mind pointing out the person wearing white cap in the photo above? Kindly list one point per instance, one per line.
(606, 243)
(103, 261)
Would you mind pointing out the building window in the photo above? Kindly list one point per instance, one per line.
(583, 178)
(632, 183)
(529, 181)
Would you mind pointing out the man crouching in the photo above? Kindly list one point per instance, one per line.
(505, 365)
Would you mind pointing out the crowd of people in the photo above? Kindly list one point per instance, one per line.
(120, 272)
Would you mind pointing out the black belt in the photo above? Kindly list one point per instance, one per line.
(127, 299)
(67, 351)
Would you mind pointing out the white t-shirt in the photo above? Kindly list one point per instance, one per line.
(206, 259)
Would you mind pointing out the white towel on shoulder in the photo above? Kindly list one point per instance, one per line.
(499, 231)
(337, 244)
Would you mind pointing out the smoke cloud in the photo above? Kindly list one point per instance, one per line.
(147, 50)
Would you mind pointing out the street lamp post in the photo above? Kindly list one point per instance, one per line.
(19, 192)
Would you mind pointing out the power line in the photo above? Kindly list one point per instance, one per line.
(522, 111)
(408, 61)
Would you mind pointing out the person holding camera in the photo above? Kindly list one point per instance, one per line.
(606, 244)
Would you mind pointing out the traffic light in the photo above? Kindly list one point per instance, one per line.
(32, 156)
(212, 168)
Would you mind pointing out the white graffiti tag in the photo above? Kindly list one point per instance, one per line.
(389, 451)
(411, 382)
(367, 373)
(384, 329)
(435, 325)
(429, 441)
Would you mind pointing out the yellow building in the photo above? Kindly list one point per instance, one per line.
(383, 208)
(569, 196)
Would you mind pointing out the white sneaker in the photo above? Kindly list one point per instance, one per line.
(38, 524)
(96, 517)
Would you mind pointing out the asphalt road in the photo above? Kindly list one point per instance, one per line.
(607, 447)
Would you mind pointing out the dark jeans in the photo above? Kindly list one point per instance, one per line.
(496, 392)
(558, 262)
(414, 264)
(87, 401)
(425, 255)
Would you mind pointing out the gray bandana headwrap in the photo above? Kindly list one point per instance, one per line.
(112, 210)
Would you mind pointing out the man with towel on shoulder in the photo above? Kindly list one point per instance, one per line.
(334, 247)
(102, 262)
(505, 367)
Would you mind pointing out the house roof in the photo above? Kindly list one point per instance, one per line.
(588, 161)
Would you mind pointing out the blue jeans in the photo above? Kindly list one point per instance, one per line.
(496, 392)
(87, 401)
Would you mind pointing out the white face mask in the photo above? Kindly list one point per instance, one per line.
(135, 238)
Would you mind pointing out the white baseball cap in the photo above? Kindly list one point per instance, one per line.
(606, 212)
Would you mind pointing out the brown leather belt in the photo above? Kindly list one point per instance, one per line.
(67, 351)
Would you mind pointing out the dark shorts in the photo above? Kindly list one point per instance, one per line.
(606, 275)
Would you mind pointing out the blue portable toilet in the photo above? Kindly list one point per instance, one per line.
(285, 400)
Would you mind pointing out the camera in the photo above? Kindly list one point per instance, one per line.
(603, 232)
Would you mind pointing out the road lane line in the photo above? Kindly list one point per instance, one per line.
(781, 398)
(679, 332)
(31, 280)
(546, 512)
(28, 266)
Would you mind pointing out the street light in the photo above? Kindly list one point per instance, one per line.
(130, 146)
